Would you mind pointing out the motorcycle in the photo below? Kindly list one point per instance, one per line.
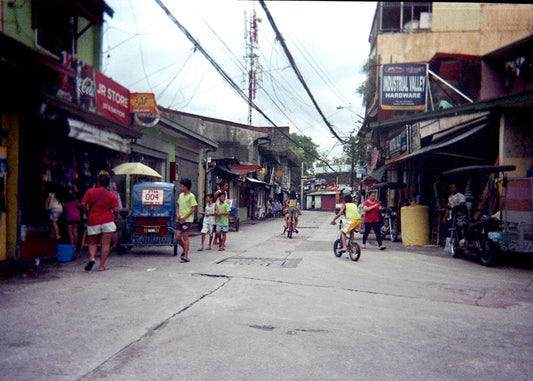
(479, 237)
(390, 223)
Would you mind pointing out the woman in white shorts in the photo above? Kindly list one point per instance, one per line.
(102, 207)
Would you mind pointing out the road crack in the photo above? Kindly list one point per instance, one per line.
(160, 325)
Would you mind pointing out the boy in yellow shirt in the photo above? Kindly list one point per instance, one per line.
(353, 220)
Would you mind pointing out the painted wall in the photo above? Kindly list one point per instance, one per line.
(460, 28)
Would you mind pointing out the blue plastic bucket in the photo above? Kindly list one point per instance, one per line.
(65, 252)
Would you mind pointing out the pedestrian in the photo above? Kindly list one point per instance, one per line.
(222, 220)
(277, 208)
(456, 198)
(353, 220)
(208, 225)
(185, 208)
(371, 208)
(222, 189)
(102, 208)
(55, 209)
(72, 207)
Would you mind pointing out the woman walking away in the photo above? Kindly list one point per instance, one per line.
(372, 208)
(102, 208)
(72, 207)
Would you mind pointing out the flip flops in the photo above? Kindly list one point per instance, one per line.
(184, 260)
(89, 266)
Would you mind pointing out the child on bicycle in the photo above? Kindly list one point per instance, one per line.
(353, 220)
(291, 212)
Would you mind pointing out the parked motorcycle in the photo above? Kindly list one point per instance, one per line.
(390, 223)
(479, 237)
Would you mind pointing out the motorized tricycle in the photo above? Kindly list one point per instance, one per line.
(499, 220)
(152, 217)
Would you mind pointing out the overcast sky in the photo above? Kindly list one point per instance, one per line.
(146, 52)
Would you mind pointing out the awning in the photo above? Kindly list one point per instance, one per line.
(451, 140)
(255, 181)
(91, 134)
(222, 170)
(243, 170)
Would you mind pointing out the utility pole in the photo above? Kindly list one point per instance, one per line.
(252, 60)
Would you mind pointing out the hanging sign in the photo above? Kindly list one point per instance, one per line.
(396, 146)
(403, 86)
(142, 102)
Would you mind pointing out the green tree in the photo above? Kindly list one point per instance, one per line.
(307, 152)
(356, 152)
(369, 87)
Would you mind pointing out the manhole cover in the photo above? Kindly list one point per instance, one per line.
(257, 261)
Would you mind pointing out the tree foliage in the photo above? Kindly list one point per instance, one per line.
(368, 88)
(307, 152)
(355, 149)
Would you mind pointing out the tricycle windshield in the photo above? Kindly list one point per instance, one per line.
(153, 199)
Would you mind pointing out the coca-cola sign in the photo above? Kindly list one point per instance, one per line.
(93, 91)
(85, 86)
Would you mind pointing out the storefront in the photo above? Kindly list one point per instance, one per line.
(61, 123)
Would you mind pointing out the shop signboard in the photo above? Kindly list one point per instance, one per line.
(93, 91)
(112, 99)
(142, 102)
(396, 145)
(403, 86)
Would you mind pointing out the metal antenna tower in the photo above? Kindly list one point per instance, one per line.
(252, 59)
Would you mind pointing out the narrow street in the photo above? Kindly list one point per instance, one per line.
(270, 308)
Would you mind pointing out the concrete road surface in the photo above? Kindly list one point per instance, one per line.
(270, 308)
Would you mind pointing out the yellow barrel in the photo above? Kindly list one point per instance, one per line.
(415, 225)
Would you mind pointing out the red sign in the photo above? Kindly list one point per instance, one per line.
(112, 99)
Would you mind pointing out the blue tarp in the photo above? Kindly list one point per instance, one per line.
(153, 199)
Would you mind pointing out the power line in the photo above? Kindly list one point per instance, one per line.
(228, 78)
(279, 37)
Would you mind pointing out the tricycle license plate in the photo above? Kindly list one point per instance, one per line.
(495, 235)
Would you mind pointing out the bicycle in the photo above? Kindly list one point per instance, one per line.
(353, 248)
(290, 229)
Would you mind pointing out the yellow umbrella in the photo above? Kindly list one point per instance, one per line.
(135, 169)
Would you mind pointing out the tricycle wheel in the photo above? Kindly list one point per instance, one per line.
(488, 254)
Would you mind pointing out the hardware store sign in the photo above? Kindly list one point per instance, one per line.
(403, 87)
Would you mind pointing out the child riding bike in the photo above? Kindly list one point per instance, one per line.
(353, 220)
(291, 212)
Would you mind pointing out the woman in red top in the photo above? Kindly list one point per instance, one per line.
(371, 208)
(102, 207)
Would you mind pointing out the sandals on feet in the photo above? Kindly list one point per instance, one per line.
(89, 266)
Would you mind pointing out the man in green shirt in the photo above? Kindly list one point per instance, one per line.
(186, 205)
